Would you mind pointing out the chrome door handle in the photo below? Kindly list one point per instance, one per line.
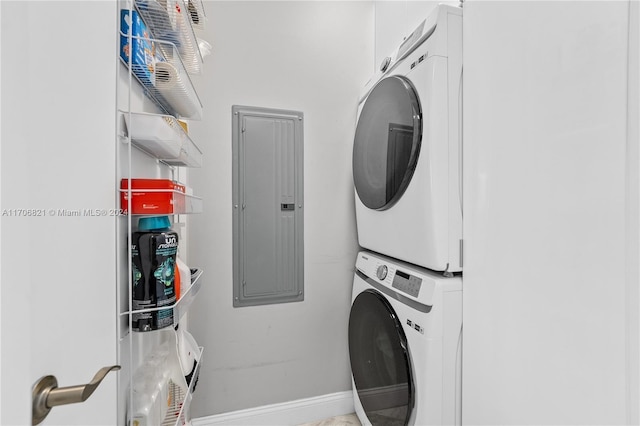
(46, 394)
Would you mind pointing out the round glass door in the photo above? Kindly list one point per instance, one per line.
(380, 361)
(387, 143)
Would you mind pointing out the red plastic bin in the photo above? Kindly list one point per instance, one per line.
(152, 196)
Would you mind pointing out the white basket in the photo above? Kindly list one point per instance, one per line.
(162, 137)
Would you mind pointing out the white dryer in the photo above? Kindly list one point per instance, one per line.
(405, 336)
(407, 149)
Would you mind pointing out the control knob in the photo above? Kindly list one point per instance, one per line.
(385, 64)
(381, 272)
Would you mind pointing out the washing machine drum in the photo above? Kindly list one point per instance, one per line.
(380, 363)
(387, 142)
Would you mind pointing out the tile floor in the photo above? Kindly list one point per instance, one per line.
(346, 420)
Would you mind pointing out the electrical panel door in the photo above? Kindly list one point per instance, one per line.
(267, 206)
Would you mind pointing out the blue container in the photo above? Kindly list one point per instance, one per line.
(142, 49)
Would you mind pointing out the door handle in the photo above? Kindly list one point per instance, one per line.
(46, 394)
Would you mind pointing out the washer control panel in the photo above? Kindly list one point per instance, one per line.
(407, 283)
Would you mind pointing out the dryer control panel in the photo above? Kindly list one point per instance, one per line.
(407, 283)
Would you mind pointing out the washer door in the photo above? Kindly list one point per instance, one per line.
(387, 143)
(380, 361)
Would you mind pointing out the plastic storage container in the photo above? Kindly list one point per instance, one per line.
(152, 196)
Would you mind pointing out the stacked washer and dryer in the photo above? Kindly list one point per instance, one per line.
(405, 325)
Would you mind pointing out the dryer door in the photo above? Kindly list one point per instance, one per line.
(387, 143)
(380, 362)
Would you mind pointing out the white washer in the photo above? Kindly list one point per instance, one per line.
(405, 336)
(407, 149)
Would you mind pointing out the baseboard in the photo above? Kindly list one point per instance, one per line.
(287, 413)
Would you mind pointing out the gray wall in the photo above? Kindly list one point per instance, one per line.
(307, 56)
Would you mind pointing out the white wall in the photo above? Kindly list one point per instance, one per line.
(308, 56)
(548, 331)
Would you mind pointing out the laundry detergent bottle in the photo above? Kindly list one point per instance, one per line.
(153, 250)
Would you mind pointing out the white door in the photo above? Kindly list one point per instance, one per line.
(58, 259)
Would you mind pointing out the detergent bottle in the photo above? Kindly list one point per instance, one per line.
(153, 250)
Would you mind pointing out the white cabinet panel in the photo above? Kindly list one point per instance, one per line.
(545, 106)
